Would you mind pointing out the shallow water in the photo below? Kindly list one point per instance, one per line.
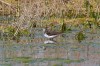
(65, 51)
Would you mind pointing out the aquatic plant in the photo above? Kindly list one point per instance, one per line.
(57, 65)
(77, 60)
(22, 59)
(63, 27)
(80, 36)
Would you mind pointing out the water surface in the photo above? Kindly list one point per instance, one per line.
(65, 51)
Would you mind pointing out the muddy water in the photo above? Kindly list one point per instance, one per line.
(64, 51)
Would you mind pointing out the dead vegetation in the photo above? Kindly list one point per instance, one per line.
(39, 13)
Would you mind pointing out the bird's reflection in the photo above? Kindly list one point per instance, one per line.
(43, 47)
(50, 42)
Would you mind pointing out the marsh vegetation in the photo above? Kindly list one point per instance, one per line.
(21, 36)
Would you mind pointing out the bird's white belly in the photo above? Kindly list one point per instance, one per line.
(49, 36)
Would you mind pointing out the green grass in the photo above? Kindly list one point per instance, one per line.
(35, 60)
(22, 59)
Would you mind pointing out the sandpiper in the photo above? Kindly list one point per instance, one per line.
(50, 34)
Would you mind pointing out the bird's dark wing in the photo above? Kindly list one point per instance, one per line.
(53, 33)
